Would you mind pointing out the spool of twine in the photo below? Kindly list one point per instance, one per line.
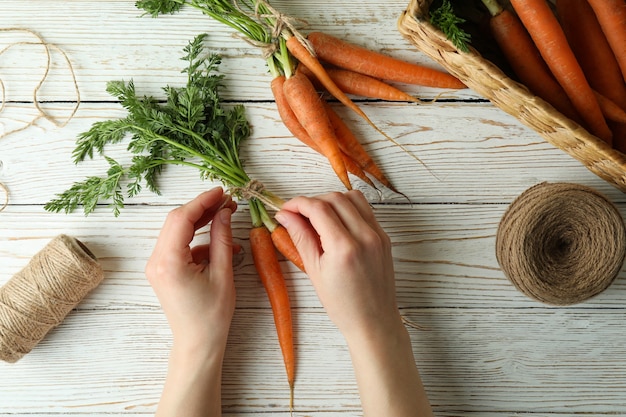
(40, 296)
(561, 243)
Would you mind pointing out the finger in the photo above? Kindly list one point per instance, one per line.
(304, 237)
(365, 209)
(181, 223)
(322, 217)
(200, 253)
(208, 215)
(346, 210)
(221, 251)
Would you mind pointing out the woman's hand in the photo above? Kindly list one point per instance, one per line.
(347, 256)
(195, 285)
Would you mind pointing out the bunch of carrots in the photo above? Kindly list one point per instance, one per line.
(299, 67)
(302, 66)
(572, 54)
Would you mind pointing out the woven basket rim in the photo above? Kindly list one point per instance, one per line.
(512, 96)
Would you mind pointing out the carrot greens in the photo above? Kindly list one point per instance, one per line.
(190, 128)
(449, 23)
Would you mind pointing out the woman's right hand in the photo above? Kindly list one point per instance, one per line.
(347, 256)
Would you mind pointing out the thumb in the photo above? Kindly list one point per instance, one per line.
(221, 246)
(304, 237)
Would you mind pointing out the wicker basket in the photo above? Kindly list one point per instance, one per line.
(488, 80)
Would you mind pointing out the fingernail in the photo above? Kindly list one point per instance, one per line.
(282, 219)
(225, 216)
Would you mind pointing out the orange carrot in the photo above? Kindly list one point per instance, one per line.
(592, 50)
(308, 108)
(612, 17)
(356, 58)
(610, 109)
(293, 125)
(525, 59)
(352, 147)
(358, 84)
(302, 54)
(268, 268)
(283, 243)
(546, 32)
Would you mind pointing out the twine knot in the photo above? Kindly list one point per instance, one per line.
(561, 243)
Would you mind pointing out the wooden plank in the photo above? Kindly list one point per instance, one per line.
(110, 40)
(499, 361)
(472, 153)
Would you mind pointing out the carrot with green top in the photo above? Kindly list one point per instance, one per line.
(351, 82)
(268, 268)
(291, 122)
(310, 112)
(365, 61)
(350, 145)
(305, 56)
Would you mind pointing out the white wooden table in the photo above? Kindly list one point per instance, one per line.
(486, 350)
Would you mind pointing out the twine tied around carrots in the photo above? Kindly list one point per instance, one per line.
(41, 295)
(561, 243)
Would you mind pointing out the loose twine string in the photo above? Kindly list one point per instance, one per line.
(40, 296)
(42, 114)
(561, 243)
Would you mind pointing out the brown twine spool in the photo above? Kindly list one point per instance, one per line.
(561, 243)
(40, 296)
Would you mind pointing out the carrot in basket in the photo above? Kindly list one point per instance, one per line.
(358, 84)
(612, 17)
(305, 57)
(309, 109)
(293, 125)
(521, 53)
(592, 50)
(356, 58)
(610, 109)
(268, 268)
(546, 32)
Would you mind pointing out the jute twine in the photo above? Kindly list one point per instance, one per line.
(40, 296)
(41, 112)
(561, 243)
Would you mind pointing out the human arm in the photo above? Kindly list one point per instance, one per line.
(196, 290)
(347, 256)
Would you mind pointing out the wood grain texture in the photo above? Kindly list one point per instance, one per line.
(485, 349)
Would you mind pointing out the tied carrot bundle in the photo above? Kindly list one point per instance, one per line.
(356, 58)
(548, 36)
(268, 267)
(192, 128)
